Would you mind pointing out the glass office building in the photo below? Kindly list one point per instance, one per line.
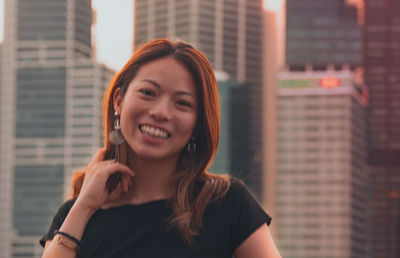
(382, 73)
(233, 155)
(50, 125)
(319, 33)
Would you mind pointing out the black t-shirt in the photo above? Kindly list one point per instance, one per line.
(140, 230)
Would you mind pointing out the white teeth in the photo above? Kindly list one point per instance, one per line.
(154, 132)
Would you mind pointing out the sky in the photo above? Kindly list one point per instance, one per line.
(113, 31)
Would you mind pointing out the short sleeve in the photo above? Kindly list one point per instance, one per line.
(245, 213)
(58, 220)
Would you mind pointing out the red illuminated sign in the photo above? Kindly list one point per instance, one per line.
(329, 82)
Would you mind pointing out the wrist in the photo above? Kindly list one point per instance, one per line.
(85, 211)
(67, 240)
(76, 220)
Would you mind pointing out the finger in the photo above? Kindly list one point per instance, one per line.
(125, 183)
(99, 156)
(114, 167)
(128, 181)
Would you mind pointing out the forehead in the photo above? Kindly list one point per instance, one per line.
(167, 72)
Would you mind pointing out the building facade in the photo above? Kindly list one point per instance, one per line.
(381, 57)
(229, 32)
(233, 149)
(322, 176)
(321, 33)
(50, 124)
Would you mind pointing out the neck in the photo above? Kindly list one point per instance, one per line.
(152, 180)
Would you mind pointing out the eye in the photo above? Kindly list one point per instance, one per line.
(147, 92)
(184, 103)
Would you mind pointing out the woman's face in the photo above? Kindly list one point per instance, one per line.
(159, 110)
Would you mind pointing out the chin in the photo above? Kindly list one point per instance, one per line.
(153, 155)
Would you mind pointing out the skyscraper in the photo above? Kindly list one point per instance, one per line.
(50, 124)
(322, 175)
(319, 33)
(229, 32)
(233, 149)
(382, 73)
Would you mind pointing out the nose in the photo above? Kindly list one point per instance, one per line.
(161, 110)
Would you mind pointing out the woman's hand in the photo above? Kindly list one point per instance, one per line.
(94, 191)
(93, 194)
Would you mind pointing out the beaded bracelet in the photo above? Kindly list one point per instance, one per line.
(68, 236)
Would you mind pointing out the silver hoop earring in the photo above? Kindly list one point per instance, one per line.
(191, 146)
(116, 136)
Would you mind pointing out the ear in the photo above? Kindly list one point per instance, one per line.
(117, 100)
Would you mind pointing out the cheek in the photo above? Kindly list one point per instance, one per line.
(128, 119)
(131, 111)
(189, 124)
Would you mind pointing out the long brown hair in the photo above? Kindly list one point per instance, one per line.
(194, 186)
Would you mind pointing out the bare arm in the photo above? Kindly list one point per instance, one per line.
(93, 194)
(74, 225)
(258, 245)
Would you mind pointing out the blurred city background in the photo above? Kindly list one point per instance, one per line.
(310, 102)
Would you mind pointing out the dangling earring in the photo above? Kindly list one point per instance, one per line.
(191, 146)
(116, 136)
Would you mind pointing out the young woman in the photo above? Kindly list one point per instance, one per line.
(147, 192)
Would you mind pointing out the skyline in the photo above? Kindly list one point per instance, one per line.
(115, 53)
(325, 146)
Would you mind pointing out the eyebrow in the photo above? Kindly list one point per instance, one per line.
(157, 85)
(152, 82)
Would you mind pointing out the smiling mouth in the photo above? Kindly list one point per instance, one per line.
(154, 132)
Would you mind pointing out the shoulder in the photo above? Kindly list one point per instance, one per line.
(241, 212)
(238, 188)
(239, 194)
(234, 199)
(241, 199)
(232, 188)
